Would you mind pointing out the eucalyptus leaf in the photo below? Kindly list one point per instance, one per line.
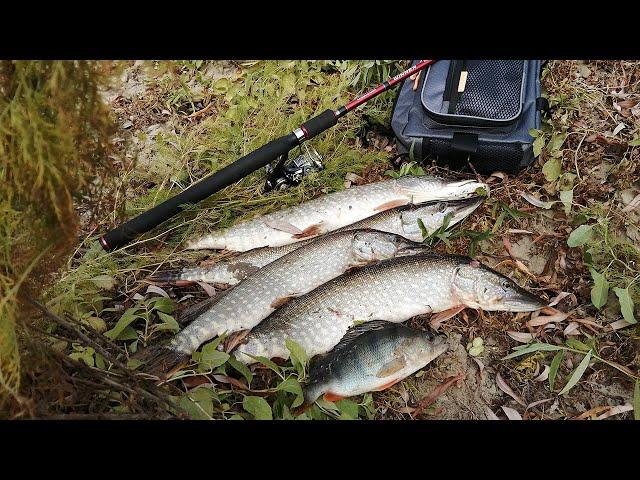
(578, 345)
(577, 374)
(553, 370)
(535, 347)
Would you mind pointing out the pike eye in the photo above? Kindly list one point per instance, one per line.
(443, 207)
(504, 283)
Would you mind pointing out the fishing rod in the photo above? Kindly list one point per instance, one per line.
(122, 235)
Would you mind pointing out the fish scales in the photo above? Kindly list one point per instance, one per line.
(401, 221)
(393, 290)
(371, 357)
(333, 211)
(246, 304)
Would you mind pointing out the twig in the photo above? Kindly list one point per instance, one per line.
(98, 348)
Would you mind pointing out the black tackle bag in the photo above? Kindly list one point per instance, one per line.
(471, 111)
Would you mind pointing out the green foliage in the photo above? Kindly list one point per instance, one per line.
(410, 168)
(589, 352)
(580, 236)
(54, 144)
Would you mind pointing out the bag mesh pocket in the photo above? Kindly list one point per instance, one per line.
(492, 90)
(487, 159)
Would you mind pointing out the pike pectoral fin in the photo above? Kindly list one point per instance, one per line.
(436, 320)
(389, 205)
(332, 397)
(310, 231)
(392, 367)
(278, 302)
(283, 226)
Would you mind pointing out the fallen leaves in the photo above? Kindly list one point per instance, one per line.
(502, 385)
(437, 392)
(605, 411)
(511, 413)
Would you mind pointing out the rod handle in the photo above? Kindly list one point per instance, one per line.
(122, 235)
(319, 124)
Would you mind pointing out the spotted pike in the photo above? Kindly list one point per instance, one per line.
(245, 305)
(393, 290)
(401, 221)
(372, 356)
(330, 212)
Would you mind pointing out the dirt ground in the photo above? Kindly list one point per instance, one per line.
(589, 113)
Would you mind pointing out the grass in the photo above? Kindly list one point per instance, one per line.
(217, 113)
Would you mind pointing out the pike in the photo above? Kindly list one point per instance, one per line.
(393, 290)
(260, 294)
(333, 211)
(372, 356)
(402, 221)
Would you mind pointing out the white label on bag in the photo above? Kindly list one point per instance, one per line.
(463, 81)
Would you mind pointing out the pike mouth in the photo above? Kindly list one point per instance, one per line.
(467, 188)
(524, 302)
(463, 208)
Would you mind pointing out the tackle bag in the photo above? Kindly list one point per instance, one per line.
(471, 111)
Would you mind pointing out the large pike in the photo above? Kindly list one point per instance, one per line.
(372, 356)
(402, 221)
(330, 212)
(260, 294)
(393, 290)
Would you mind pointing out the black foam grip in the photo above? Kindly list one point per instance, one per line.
(204, 188)
(319, 123)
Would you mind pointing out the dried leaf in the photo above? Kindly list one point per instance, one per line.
(511, 413)
(539, 402)
(502, 385)
(522, 337)
(211, 291)
(632, 204)
(156, 289)
(592, 412)
(489, 413)
(572, 329)
(437, 392)
(619, 324)
(618, 128)
(544, 375)
(536, 202)
(558, 298)
(545, 319)
(616, 411)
